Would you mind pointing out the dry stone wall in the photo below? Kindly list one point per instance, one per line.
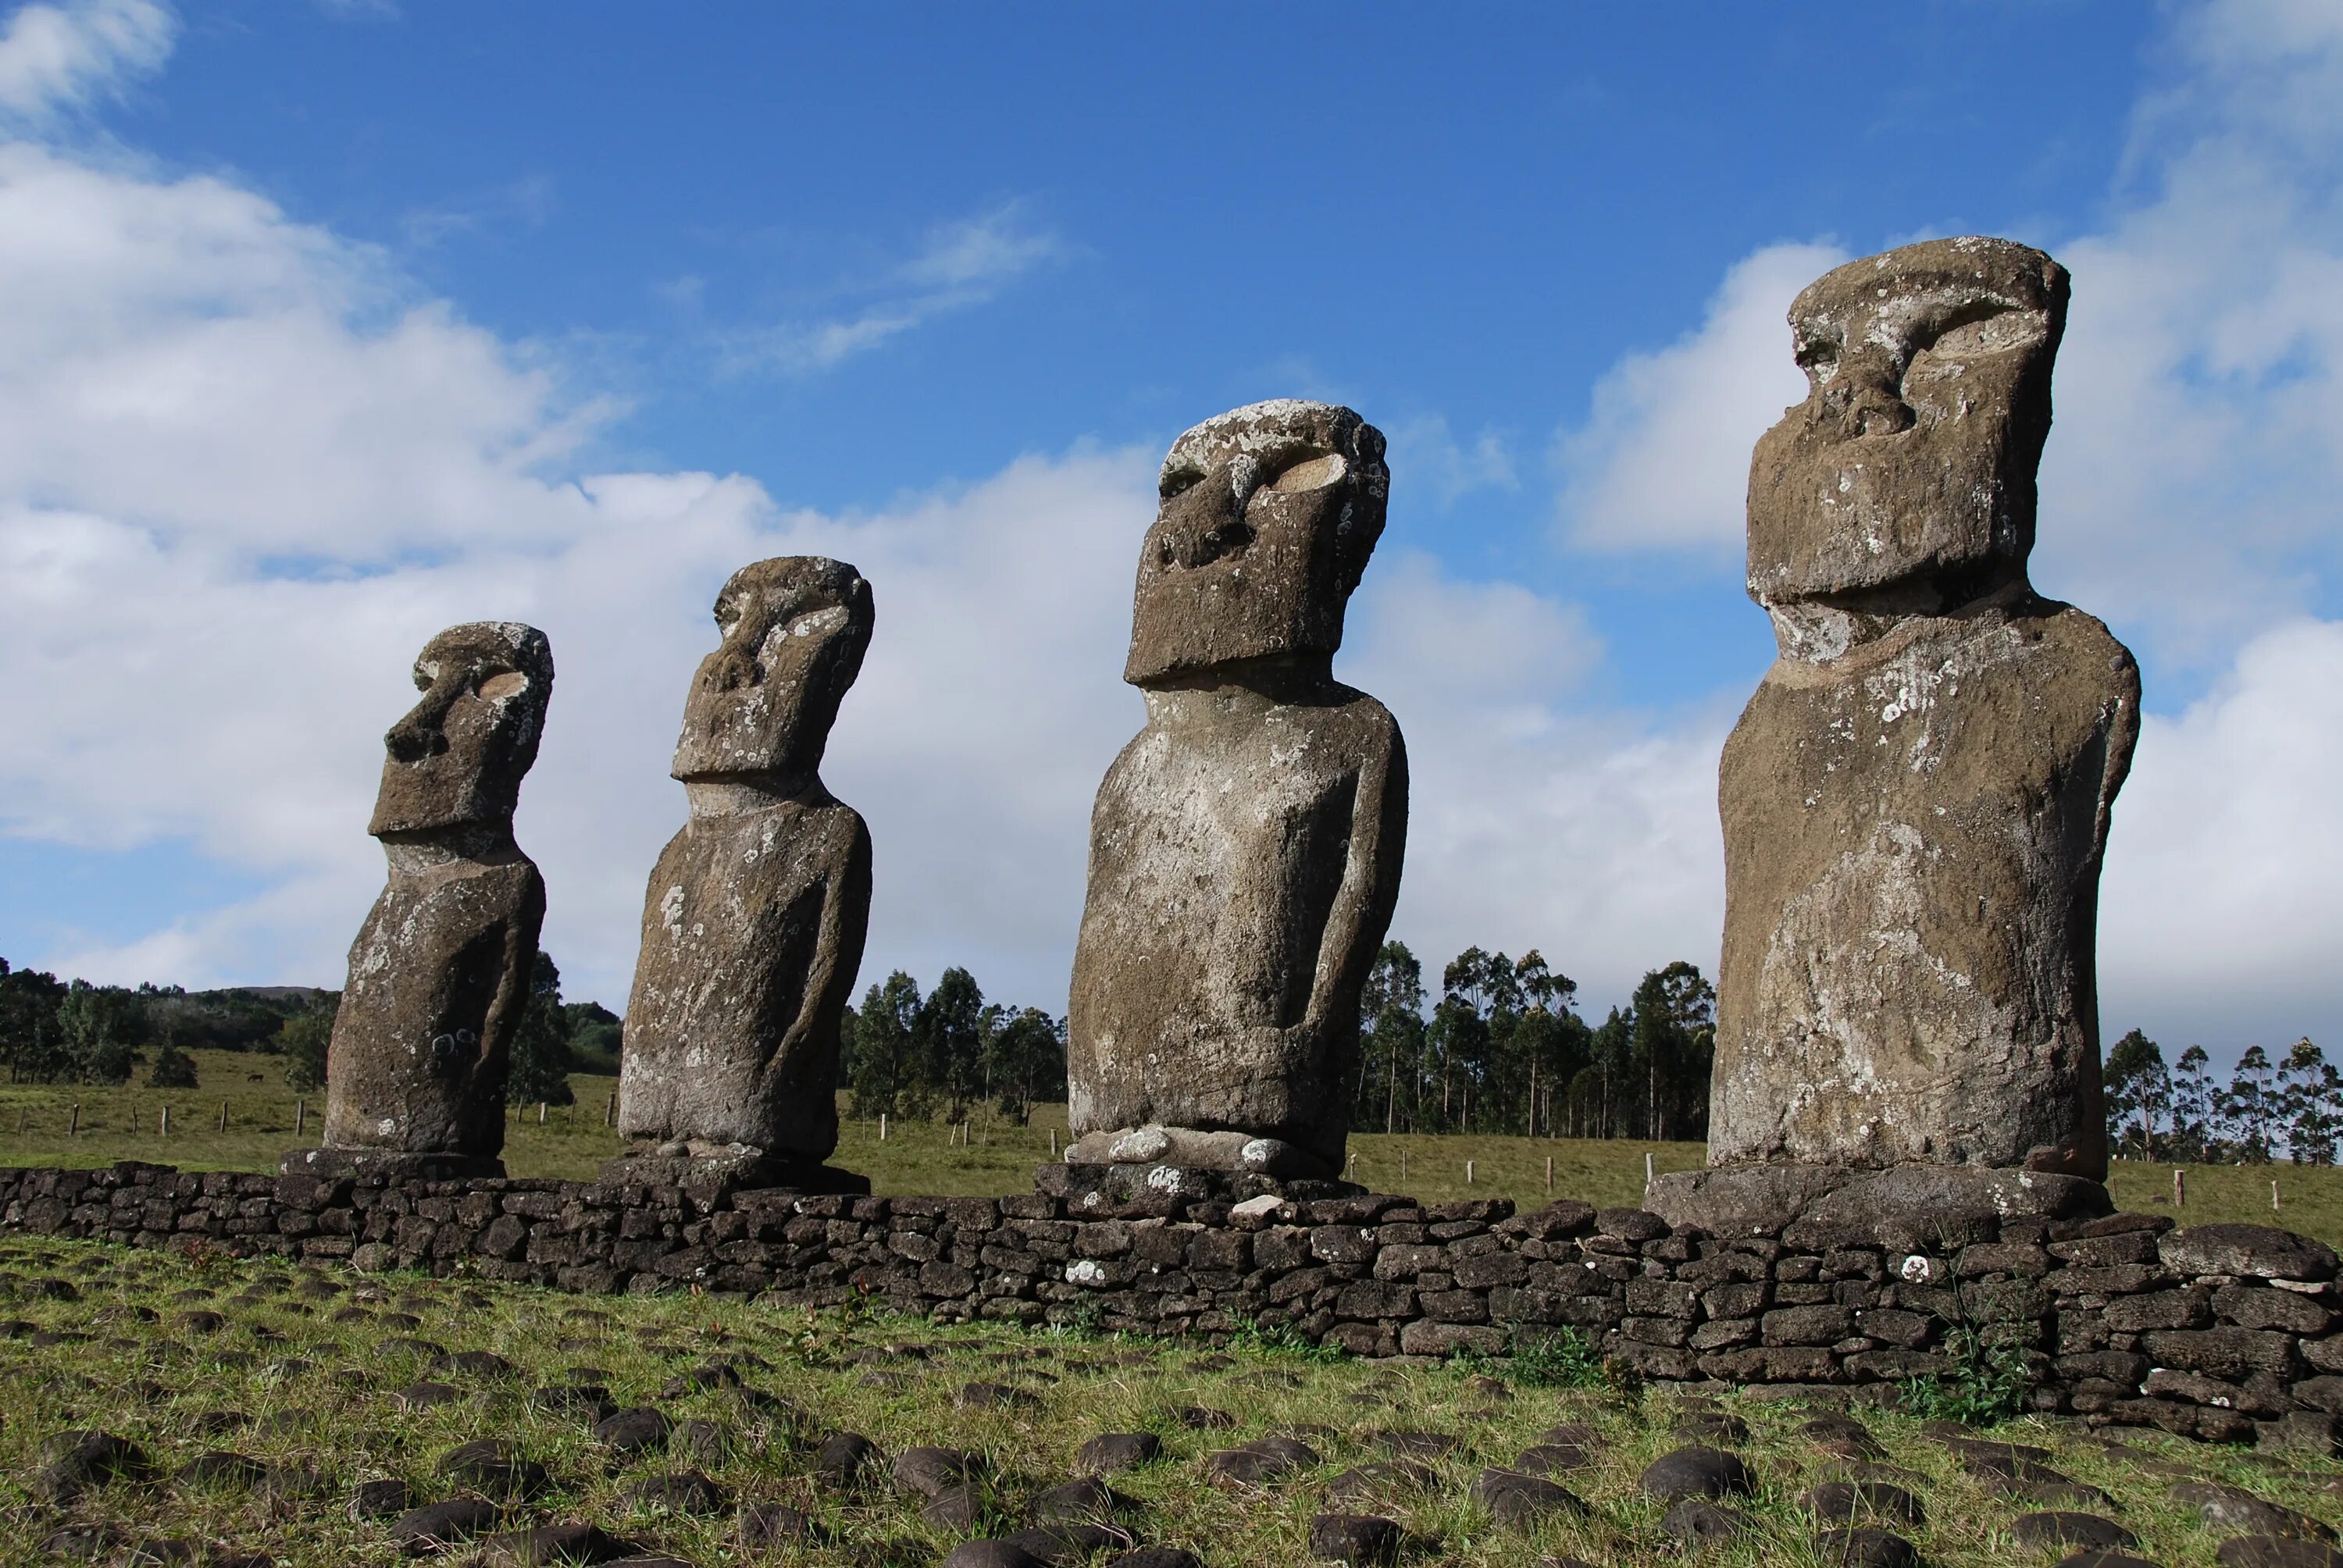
(2225, 1332)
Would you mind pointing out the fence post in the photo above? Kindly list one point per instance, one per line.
(163, 1128)
(1468, 1173)
(1549, 1172)
(1053, 1143)
(2273, 1195)
(2180, 1189)
(73, 1128)
(610, 1112)
(223, 1116)
(1647, 1170)
(540, 1114)
(300, 1116)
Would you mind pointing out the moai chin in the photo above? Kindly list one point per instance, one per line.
(440, 974)
(754, 918)
(1245, 846)
(1916, 801)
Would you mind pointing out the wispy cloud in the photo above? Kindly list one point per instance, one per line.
(961, 264)
(57, 57)
(1435, 463)
(524, 203)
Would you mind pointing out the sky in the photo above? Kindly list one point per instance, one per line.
(325, 325)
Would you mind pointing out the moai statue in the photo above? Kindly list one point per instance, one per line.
(754, 918)
(1245, 846)
(1916, 801)
(440, 972)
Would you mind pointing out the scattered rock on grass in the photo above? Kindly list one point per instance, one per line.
(1112, 1451)
(1695, 1473)
(1358, 1540)
(2040, 1531)
(1512, 1498)
(1696, 1522)
(1865, 1547)
(439, 1526)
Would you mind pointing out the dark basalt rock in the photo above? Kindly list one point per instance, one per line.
(844, 1460)
(685, 1492)
(1695, 1473)
(1696, 1522)
(928, 1470)
(79, 1461)
(2040, 1531)
(1260, 1461)
(634, 1431)
(379, 1499)
(1845, 1502)
(1115, 1451)
(1523, 1499)
(1865, 1547)
(439, 1526)
(1359, 1540)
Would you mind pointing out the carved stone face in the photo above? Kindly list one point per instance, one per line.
(1268, 517)
(795, 630)
(458, 759)
(1906, 476)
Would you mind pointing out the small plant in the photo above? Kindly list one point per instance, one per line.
(1086, 1321)
(1280, 1339)
(1563, 1358)
(1988, 1383)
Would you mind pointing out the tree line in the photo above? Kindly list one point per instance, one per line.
(1503, 1050)
(908, 1055)
(71, 1031)
(2291, 1107)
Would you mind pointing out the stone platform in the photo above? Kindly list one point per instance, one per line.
(2224, 1332)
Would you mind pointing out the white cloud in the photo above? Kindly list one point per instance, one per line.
(55, 57)
(2222, 898)
(1537, 820)
(1661, 461)
(960, 265)
(1429, 460)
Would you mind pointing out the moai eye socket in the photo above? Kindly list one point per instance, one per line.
(507, 683)
(1310, 474)
(1817, 355)
(1175, 481)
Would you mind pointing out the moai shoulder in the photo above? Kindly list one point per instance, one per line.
(1916, 798)
(754, 918)
(440, 974)
(1245, 846)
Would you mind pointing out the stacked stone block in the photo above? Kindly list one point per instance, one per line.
(2225, 1332)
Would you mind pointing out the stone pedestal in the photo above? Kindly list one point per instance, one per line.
(1084, 1186)
(387, 1165)
(730, 1170)
(1910, 1206)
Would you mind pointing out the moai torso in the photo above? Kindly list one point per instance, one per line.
(1245, 847)
(1916, 798)
(440, 974)
(1239, 847)
(754, 918)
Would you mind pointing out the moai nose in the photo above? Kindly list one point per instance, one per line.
(1206, 521)
(1867, 398)
(423, 732)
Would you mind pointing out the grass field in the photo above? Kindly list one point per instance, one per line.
(304, 1386)
(928, 1158)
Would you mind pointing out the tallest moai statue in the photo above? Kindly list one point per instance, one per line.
(1916, 801)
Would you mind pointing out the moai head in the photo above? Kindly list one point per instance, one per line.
(1268, 517)
(458, 759)
(795, 630)
(1905, 482)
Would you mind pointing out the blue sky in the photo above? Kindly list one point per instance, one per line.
(335, 323)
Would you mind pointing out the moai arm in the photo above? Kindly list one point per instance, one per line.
(838, 953)
(1362, 910)
(513, 981)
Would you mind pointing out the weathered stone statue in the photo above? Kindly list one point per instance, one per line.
(754, 918)
(1916, 798)
(1245, 846)
(440, 974)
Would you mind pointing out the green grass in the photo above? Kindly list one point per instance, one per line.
(117, 1358)
(926, 1158)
